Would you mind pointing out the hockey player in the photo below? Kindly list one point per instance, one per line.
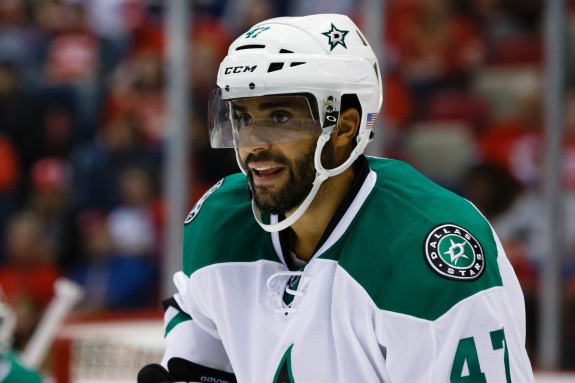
(355, 269)
(11, 369)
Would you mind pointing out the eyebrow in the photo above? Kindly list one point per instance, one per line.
(271, 105)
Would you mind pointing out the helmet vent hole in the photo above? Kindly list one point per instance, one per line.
(296, 63)
(285, 51)
(251, 46)
(275, 66)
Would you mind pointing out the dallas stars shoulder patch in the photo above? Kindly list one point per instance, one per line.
(454, 253)
(336, 37)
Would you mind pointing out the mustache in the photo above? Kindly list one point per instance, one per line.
(266, 156)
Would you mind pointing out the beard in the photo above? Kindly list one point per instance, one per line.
(301, 174)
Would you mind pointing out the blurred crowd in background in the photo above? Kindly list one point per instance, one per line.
(83, 133)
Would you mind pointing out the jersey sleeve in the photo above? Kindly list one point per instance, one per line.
(193, 338)
(189, 331)
(480, 339)
(13, 371)
(457, 311)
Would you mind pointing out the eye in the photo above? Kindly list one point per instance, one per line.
(244, 119)
(281, 118)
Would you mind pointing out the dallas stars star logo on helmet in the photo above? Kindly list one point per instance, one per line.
(452, 252)
(336, 37)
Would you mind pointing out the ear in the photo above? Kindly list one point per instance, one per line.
(347, 127)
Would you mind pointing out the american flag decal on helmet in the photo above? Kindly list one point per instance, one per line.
(371, 117)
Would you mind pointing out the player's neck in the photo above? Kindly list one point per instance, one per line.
(308, 230)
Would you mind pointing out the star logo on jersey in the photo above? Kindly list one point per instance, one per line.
(456, 251)
(336, 37)
(452, 252)
(196, 209)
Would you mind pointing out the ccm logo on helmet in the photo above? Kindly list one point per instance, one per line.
(240, 69)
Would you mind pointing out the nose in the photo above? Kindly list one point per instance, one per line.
(253, 139)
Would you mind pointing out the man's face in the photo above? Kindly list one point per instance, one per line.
(281, 175)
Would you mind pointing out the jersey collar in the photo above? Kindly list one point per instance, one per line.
(362, 170)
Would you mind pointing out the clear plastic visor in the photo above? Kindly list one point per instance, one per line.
(261, 120)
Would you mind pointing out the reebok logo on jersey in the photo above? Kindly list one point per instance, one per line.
(452, 252)
(211, 379)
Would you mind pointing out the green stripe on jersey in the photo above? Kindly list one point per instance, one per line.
(176, 320)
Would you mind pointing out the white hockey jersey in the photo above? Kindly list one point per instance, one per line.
(411, 286)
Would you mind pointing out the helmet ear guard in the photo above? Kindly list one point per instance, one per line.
(325, 56)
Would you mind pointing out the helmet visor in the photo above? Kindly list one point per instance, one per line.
(262, 120)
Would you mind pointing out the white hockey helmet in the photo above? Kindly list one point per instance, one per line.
(325, 56)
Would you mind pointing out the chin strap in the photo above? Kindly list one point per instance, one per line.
(287, 222)
(321, 175)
